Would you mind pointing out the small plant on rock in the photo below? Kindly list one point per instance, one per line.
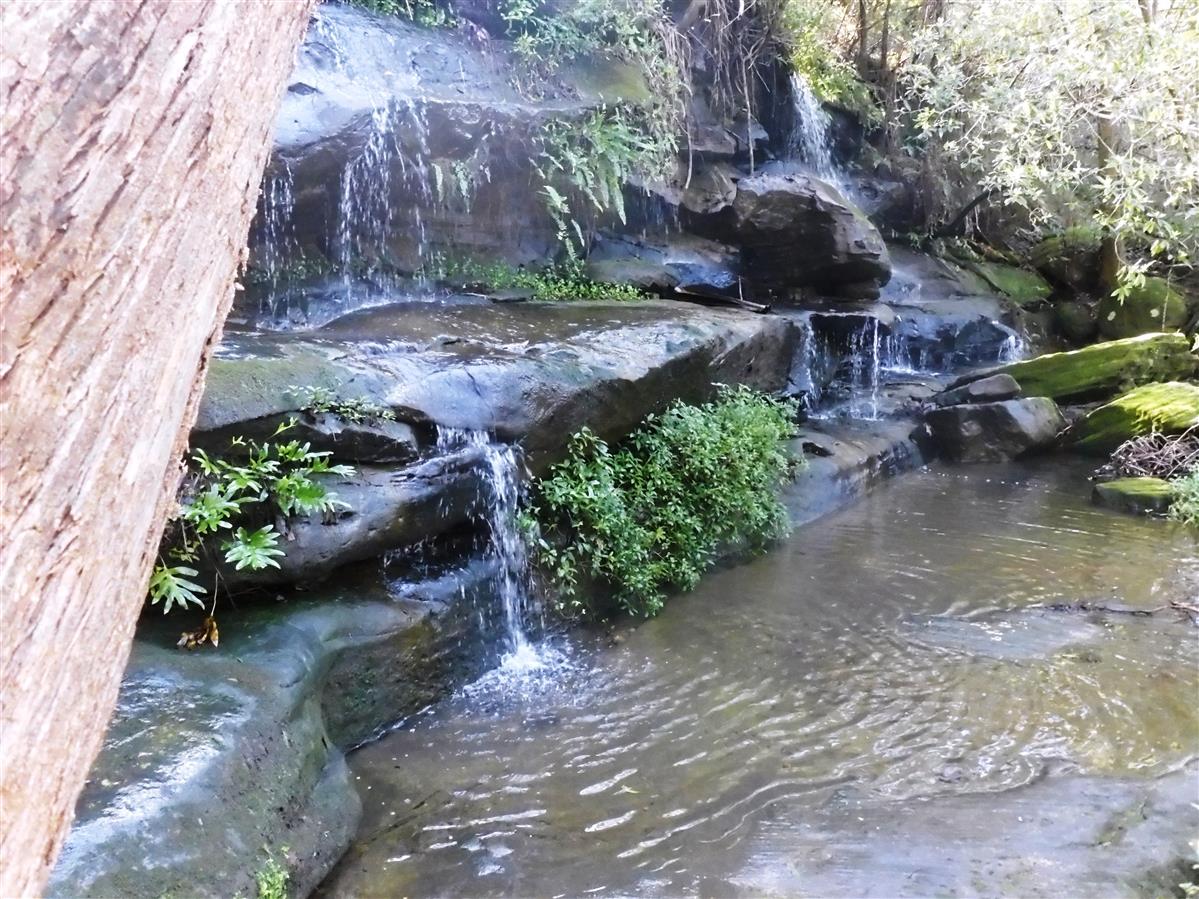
(1185, 505)
(274, 478)
(320, 400)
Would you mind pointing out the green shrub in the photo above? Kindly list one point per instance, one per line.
(654, 513)
(1185, 506)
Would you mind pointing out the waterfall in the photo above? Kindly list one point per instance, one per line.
(503, 476)
(865, 370)
(809, 141)
(1012, 348)
(278, 229)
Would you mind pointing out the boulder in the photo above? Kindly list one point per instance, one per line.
(1071, 258)
(373, 440)
(993, 432)
(1153, 306)
(1166, 408)
(795, 230)
(1135, 496)
(985, 390)
(1076, 319)
(1104, 369)
(215, 757)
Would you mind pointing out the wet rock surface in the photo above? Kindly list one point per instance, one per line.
(992, 389)
(1135, 496)
(994, 432)
(213, 755)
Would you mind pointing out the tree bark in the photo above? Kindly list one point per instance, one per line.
(133, 142)
(1110, 260)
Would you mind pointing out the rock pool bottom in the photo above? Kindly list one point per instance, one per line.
(905, 698)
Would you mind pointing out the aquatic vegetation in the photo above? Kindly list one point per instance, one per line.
(655, 512)
(1185, 507)
(273, 478)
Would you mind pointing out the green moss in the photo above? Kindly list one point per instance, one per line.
(1153, 306)
(1106, 369)
(1023, 286)
(1137, 496)
(1169, 408)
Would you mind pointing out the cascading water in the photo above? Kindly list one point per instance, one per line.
(503, 473)
(278, 229)
(809, 138)
(865, 370)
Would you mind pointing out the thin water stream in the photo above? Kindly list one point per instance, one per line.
(892, 676)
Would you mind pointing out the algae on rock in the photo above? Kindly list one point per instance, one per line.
(1153, 306)
(1136, 496)
(1106, 369)
(1167, 408)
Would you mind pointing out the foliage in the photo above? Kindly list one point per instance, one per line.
(653, 513)
(318, 400)
(560, 283)
(1185, 505)
(275, 477)
(810, 31)
(595, 156)
(429, 13)
(272, 879)
(1073, 111)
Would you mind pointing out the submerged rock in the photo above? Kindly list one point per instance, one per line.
(1136, 496)
(1153, 306)
(994, 388)
(1167, 408)
(993, 432)
(1104, 369)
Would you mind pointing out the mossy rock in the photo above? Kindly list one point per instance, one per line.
(1136, 496)
(1154, 306)
(1106, 369)
(1025, 287)
(1169, 408)
(1070, 258)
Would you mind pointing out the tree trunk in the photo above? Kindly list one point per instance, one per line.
(134, 138)
(1110, 260)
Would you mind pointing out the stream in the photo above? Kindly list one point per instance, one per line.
(945, 688)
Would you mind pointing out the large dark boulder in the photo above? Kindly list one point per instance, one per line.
(795, 230)
(994, 432)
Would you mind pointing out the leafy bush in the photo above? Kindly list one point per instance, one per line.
(654, 513)
(274, 478)
(1185, 507)
(560, 283)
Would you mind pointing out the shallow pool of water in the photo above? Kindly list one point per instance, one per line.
(918, 659)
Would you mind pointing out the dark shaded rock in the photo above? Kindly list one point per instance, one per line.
(1077, 320)
(887, 201)
(373, 441)
(1153, 306)
(1103, 369)
(678, 262)
(795, 230)
(984, 390)
(387, 508)
(213, 755)
(993, 432)
(1135, 496)
(1166, 408)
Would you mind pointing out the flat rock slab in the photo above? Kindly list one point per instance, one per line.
(528, 372)
(1166, 408)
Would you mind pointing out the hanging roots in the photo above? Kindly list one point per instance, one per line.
(1155, 456)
